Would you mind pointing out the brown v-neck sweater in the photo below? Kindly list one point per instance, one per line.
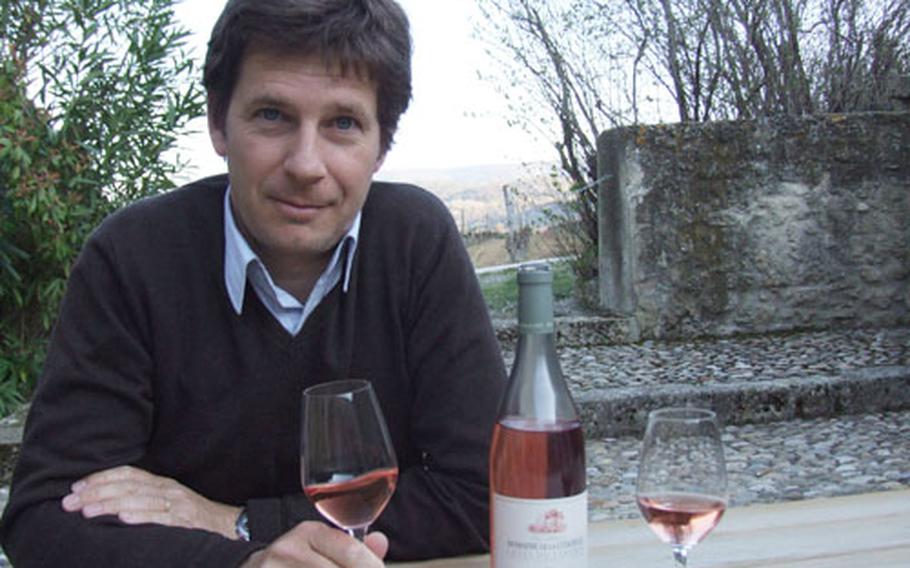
(149, 365)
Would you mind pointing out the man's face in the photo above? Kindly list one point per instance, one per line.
(302, 144)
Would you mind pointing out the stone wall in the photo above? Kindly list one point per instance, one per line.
(756, 226)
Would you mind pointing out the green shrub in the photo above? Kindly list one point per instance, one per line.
(93, 94)
(45, 207)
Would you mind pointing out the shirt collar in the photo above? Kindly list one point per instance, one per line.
(238, 255)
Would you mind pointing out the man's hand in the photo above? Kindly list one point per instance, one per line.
(136, 496)
(313, 544)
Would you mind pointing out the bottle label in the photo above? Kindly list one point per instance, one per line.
(540, 533)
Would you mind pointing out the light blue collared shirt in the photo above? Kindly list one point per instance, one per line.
(241, 263)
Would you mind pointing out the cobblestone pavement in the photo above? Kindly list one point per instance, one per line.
(736, 360)
(798, 459)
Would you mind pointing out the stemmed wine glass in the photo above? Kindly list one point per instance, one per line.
(347, 463)
(682, 478)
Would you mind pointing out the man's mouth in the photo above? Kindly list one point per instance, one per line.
(297, 210)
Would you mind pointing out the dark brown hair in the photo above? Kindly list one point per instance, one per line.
(371, 37)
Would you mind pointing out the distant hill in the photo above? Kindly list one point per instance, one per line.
(474, 194)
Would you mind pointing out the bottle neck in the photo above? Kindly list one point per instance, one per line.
(536, 388)
(535, 344)
(540, 328)
(536, 359)
(536, 385)
(535, 309)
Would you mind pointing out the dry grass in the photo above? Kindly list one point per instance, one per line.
(492, 251)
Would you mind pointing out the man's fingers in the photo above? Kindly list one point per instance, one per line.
(120, 473)
(157, 504)
(140, 517)
(97, 491)
(378, 543)
(112, 497)
(340, 548)
(138, 496)
(314, 544)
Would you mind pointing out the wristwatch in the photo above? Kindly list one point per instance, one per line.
(242, 526)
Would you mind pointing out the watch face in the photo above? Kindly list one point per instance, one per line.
(241, 527)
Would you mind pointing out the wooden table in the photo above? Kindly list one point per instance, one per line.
(859, 531)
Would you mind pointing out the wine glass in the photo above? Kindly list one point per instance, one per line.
(347, 464)
(682, 478)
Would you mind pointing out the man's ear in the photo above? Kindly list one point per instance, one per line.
(216, 132)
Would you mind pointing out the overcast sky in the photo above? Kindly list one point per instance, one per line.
(454, 119)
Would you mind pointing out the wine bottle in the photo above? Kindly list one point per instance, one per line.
(538, 487)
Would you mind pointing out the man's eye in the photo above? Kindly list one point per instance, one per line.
(345, 123)
(270, 114)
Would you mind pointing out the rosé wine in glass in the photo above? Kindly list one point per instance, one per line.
(681, 519)
(682, 477)
(348, 467)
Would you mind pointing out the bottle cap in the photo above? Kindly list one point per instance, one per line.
(535, 298)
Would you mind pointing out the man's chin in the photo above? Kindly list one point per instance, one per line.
(308, 247)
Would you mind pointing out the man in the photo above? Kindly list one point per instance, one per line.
(164, 428)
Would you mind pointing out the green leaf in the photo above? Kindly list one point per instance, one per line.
(99, 125)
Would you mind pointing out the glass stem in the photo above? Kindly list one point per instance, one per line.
(359, 533)
(680, 554)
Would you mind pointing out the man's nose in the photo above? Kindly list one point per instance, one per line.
(305, 157)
